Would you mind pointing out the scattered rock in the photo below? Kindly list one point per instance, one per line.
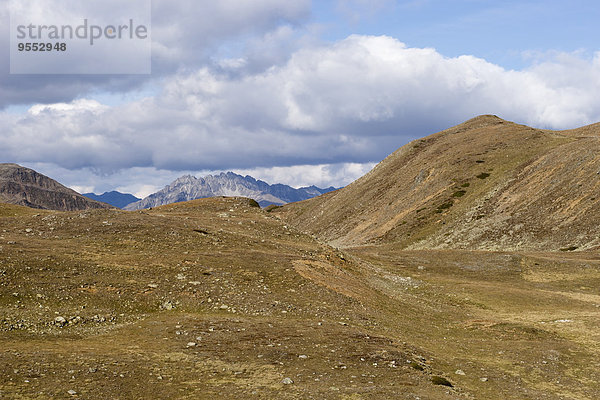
(460, 372)
(287, 381)
(72, 392)
(167, 305)
(483, 379)
(152, 285)
(191, 344)
(303, 356)
(60, 321)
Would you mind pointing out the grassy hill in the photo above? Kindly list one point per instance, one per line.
(486, 184)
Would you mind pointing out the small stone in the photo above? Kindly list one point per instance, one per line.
(152, 285)
(287, 381)
(72, 392)
(191, 344)
(483, 379)
(224, 307)
(28, 230)
(303, 356)
(60, 321)
(460, 372)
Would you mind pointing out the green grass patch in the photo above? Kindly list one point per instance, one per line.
(417, 366)
(459, 193)
(483, 175)
(443, 207)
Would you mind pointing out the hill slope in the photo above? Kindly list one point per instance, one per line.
(26, 187)
(485, 184)
(227, 184)
(113, 198)
(217, 298)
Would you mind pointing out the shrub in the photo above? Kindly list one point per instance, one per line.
(271, 208)
(570, 248)
(417, 366)
(483, 175)
(438, 380)
(253, 203)
(444, 206)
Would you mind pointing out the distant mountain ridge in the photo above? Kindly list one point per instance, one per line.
(26, 187)
(229, 184)
(114, 198)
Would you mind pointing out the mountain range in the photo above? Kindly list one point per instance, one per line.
(227, 184)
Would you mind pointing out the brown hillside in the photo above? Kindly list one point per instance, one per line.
(26, 187)
(218, 299)
(486, 184)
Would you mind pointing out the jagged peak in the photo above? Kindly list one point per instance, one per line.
(184, 179)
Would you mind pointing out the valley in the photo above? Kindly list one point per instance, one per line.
(217, 297)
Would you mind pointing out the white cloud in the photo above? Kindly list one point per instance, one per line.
(186, 35)
(77, 106)
(353, 101)
(323, 176)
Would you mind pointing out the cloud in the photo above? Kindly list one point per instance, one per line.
(186, 35)
(352, 101)
(323, 176)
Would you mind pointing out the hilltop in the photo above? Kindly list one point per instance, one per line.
(486, 184)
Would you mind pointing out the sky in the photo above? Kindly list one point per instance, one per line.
(300, 92)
